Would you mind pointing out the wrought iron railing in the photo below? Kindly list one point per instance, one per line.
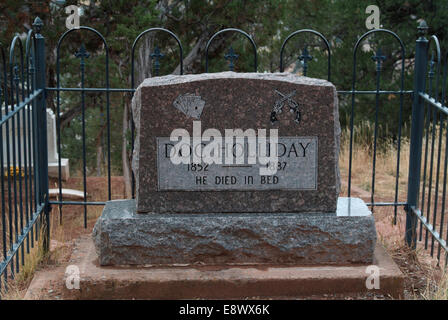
(429, 155)
(25, 205)
(24, 182)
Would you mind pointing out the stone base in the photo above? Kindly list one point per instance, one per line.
(224, 282)
(123, 237)
(53, 169)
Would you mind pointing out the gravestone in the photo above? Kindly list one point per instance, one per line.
(22, 133)
(230, 212)
(307, 183)
(53, 155)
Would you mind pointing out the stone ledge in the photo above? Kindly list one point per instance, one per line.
(172, 79)
(124, 237)
(224, 282)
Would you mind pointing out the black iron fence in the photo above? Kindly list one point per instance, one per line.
(23, 157)
(428, 155)
(25, 205)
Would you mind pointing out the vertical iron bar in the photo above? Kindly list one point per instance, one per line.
(431, 126)
(24, 215)
(416, 134)
(58, 135)
(4, 98)
(425, 164)
(42, 131)
(400, 120)
(8, 170)
(109, 186)
(431, 169)
(19, 159)
(36, 148)
(378, 58)
(82, 54)
(30, 75)
(84, 173)
(436, 192)
(132, 150)
(445, 166)
(352, 117)
(36, 173)
(25, 169)
(14, 156)
(2, 182)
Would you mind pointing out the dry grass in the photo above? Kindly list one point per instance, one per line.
(425, 278)
(62, 235)
(437, 286)
(17, 286)
(385, 167)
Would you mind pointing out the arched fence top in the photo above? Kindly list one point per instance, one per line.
(134, 45)
(29, 57)
(365, 35)
(29, 43)
(16, 74)
(61, 39)
(434, 39)
(314, 32)
(15, 41)
(66, 33)
(254, 46)
(29, 47)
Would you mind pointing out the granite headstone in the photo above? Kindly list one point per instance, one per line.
(307, 179)
(230, 214)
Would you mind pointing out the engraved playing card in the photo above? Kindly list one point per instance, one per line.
(190, 104)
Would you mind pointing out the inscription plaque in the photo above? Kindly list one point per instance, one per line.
(296, 169)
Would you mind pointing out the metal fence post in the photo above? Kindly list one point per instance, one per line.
(418, 115)
(41, 113)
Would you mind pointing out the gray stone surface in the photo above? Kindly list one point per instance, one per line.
(297, 170)
(229, 100)
(123, 237)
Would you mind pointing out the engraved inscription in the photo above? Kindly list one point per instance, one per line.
(296, 169)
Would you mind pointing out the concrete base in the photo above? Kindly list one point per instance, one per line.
(53, 169)
(221, 282)
(124, 237)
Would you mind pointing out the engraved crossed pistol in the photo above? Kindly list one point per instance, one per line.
(279, 104)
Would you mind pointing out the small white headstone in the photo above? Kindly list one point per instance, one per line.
(25, 146)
